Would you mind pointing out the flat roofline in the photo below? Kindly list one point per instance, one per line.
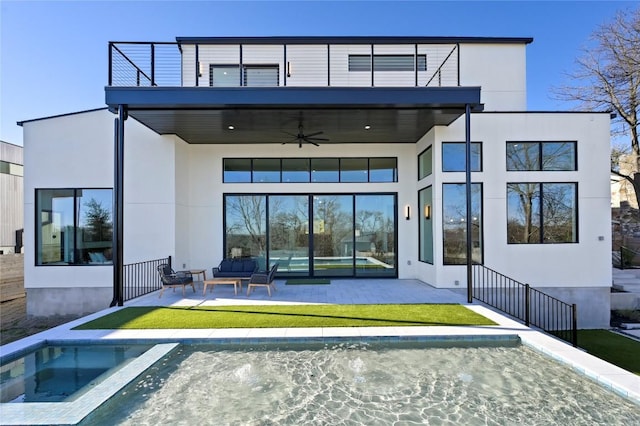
(352, 40)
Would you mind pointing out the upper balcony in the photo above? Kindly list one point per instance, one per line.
(198, 88)
(280, 62)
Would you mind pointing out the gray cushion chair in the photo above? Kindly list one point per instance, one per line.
(173, 279)
(263, 279)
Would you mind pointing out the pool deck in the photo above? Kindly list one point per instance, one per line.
(373, 291)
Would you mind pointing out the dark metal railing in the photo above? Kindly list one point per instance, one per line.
(170, 64)
(525, 303)
(142, 278)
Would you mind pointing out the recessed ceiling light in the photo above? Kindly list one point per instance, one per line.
(367, 127)
(230, 127)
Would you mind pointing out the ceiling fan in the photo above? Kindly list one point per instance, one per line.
(301, 137)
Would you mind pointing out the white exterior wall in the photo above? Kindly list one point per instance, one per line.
(206, 192)
(499, 68)
(76, 151)
(174, 194)
(501, 71)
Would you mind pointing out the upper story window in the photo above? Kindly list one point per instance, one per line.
(74, 226)
(454, 156)
(252, 75)
(425, 163)
(387, 62)
(302, 170)
(11, 168)
(541, 156)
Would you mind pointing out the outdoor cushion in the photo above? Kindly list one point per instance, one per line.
(248, 265)
(236, 266)
(225, 265)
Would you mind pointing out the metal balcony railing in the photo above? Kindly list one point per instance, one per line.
(169, 64)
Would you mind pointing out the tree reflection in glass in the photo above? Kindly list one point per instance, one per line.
(454, 217)
(245, 226)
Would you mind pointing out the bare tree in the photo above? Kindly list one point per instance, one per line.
(607, 78)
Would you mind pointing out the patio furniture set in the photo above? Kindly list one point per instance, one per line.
(229, 272)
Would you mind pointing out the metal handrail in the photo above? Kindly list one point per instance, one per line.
(525, 303)
(142, 278)
(146, 60)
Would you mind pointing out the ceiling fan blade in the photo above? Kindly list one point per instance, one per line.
(313, 143)
(314, 134)
(290, 134)
(317, 139)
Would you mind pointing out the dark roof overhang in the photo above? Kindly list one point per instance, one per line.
(202, 115)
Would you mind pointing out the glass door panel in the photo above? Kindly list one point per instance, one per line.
(289, 234)
(245, 227)
(375, 235)
(333, 235)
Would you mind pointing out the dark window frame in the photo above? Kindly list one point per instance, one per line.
(312, 194)
(429, 148)
(480, 156)
(540, 150)
(420, 61)
(37, 230)
(482, 221)
(310, 159)
(540, 213)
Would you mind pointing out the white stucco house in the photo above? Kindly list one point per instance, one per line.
(339, 157)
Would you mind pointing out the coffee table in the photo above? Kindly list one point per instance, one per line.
(222, 281)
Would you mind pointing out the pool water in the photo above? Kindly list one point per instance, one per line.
(57, 373)
(355, 384)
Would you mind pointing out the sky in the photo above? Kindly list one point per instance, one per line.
(53, 54)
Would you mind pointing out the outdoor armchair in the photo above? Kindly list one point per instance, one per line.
(263, 279)
(173, 279)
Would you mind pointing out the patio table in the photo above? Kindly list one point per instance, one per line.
(222, 281)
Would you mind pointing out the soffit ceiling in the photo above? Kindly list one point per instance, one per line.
(273, 116)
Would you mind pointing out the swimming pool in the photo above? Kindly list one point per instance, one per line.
(58, 373)
(362, 383)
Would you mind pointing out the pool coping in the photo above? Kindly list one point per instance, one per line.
(616, 379)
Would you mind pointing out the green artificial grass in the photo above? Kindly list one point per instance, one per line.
(611, 347)
(304, 281)
(286, 316)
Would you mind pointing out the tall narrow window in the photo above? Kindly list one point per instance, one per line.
(454, 223)
(425, 163)
(425, 219)
(74, 226)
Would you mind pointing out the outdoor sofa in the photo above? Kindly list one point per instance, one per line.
(236, 268)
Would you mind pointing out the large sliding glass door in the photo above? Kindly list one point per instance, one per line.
(314, 235)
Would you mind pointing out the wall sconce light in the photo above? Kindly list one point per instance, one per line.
(200, 68)
(427, 211)
(407, 212)
(288, 69)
